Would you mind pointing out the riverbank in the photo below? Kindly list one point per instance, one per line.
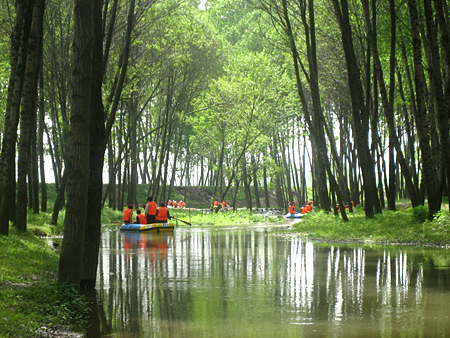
(405, 226)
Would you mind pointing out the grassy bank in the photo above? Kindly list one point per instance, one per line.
(405, 226)
(29, 295)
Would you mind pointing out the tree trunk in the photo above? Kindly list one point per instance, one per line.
(77, 160)
(266, 189)
(40, 143)
(97, 149)
(19, 47)
(28, 112)
(359, 111)
(429, 170)
(441, 105)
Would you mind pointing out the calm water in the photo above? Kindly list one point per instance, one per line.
(235, 282)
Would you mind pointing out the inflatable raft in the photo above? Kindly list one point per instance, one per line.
(297, 215)
(148, 227)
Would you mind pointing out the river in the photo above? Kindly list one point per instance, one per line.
(255, 281)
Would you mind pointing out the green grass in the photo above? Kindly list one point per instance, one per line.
(220, 218)
(389, 227)
(29, 294)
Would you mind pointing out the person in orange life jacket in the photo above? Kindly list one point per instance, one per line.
(216, 203)
(128, 215)
(150, 210)
(174, 204)
(169, 203)
(140, 217)
(291, 208)
(224, 204)
(162, 213)
(304, 210)
(309, 207)
(181, 204)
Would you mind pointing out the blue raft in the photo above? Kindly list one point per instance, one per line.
(158, 227)
(297, 215)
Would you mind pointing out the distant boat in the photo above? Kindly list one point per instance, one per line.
(158, 227)
(297, 215)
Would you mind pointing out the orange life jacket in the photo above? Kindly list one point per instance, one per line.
(162, 214)
(303, 210)
(151, 208)
(127, 215)
(142, 218)
(216, 203)
(308, 208)
(291, 209)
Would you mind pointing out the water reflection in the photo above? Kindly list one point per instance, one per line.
(247, 283)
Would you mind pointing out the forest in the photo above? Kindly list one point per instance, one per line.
(329, 100)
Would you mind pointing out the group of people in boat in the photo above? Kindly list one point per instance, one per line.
(152, 213)
(305, 208)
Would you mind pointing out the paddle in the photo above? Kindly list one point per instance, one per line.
(181, 220)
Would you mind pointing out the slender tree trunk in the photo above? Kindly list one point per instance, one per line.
(40, 143)
(19, 47)
(266, 189)
(429, 171)
(28, 112)
(441, 105)
(359, 111)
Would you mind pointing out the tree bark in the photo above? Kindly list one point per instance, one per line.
(19, 47)
(40, 142)
(77, 160)
(359, 111)
(429, 170)
(28, 112)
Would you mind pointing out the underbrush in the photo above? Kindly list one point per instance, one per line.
(389, 227)
(29, 294)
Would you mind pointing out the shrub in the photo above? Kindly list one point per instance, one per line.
(421, 214)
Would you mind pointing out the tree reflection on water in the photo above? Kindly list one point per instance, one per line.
(248, 282)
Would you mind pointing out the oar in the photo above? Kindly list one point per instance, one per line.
(181, 220)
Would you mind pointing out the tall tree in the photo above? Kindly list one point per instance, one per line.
(28, 112)
(359, 110)
(77, 159)
(19, 51)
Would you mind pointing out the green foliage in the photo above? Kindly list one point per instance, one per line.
(421, 213)
(109, 215)
(29, 295)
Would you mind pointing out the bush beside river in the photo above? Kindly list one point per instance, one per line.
(31, 301)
